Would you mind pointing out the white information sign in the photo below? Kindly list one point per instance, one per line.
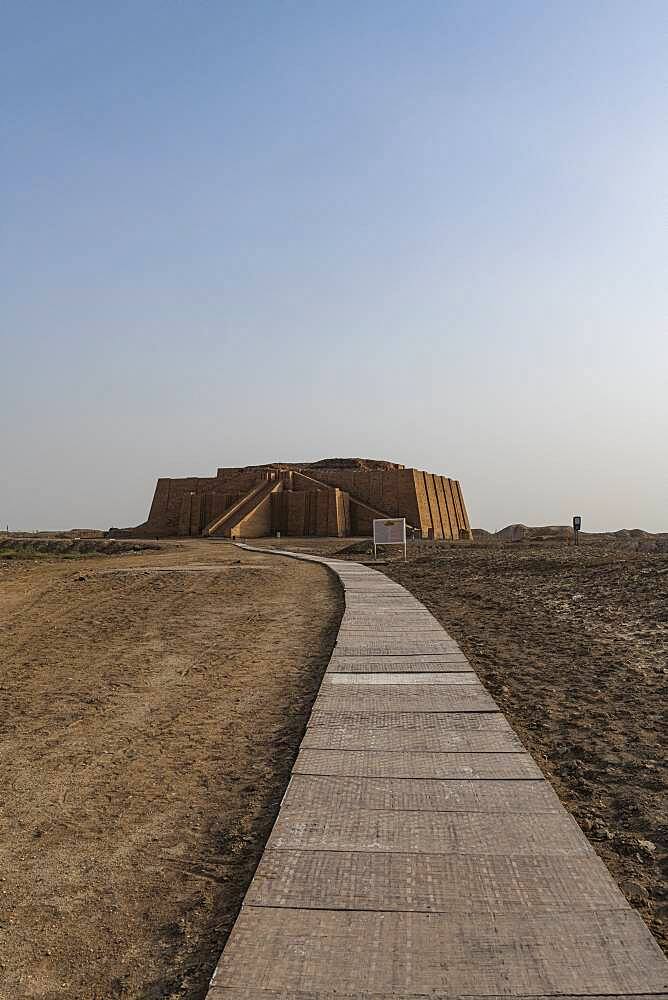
(389, 531)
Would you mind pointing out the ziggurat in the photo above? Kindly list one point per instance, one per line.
(333, 497)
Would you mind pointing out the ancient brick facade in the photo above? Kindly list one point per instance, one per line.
(335, 497)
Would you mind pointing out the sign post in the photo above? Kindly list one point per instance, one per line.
(577, 524)
(389, 531)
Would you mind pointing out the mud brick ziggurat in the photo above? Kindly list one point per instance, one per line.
(334, 497)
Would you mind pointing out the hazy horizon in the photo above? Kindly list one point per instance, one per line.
(567, 519)
(433, 234)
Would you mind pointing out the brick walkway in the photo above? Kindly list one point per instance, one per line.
(419, 852)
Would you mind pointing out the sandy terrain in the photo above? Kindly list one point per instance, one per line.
(151, 706)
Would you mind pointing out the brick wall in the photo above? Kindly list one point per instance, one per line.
(389, 491)
(257, 524)
(317, 502)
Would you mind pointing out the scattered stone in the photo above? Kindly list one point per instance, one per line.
(634, 892)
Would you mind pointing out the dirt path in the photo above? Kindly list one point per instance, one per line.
(151, 707)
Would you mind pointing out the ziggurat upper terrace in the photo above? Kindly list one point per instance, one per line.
(332, 498)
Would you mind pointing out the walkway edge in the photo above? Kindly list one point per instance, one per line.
(418, 850)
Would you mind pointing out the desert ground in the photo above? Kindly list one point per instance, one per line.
(153, 700)
(151, 705)
(573, 645)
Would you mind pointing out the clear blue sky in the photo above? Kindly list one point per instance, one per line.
(431, 232)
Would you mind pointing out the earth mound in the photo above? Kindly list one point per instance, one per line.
(363, 464)
(520, 532)
(634, 537)
(366, 464)
(480, 535)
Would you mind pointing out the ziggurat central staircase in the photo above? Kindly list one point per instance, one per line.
(333, 497)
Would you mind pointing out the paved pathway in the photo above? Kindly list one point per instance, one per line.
(419, 852)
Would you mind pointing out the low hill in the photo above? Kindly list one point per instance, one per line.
(563, 534)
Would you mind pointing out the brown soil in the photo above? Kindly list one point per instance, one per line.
(151, 707)
(573, 644)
